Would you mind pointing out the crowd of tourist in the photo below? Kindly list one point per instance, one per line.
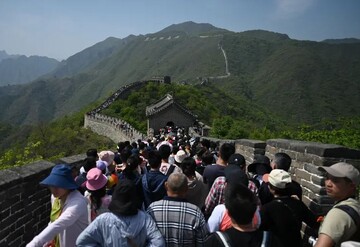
(182, 191)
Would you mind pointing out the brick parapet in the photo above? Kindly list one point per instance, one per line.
(248, 148)
(24, 204)
(307, 157)
(115, 129)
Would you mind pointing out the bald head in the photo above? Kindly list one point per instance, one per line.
(177, 184)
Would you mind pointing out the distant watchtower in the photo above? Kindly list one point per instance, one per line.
(167, 111)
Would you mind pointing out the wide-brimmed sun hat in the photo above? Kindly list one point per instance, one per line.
(61, 177)
(260, 165)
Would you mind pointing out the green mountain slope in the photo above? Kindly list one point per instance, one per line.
(298, 81)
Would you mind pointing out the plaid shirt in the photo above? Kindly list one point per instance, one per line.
(217, 191)
(181, 223)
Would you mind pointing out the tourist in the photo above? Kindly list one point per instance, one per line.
(339, 225)
(241, 205)
(69, 214)
(256, 170)
(96, 193)
(197, 190)
(153, 181)
(89, 163)
(216, 194)
(180, 222)
(124, 225)
(284, 214)
(217, 170)
(219, 218)
(283, 161)
(164, 151)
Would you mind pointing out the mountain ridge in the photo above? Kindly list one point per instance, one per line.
(267, 68)
(20, 69)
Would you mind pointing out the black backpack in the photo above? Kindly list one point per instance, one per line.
(264, 193)
(355, 217)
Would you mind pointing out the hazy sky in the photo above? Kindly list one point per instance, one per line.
(61, 28)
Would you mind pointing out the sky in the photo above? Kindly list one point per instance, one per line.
(61, 28)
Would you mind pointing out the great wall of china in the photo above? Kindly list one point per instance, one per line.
(25, 205)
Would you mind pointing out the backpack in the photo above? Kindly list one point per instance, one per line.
(355, 217)
(224, 238)
(264, 193)
(170, 170)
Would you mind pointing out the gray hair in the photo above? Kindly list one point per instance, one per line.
(177, 182)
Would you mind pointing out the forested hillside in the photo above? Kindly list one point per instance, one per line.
(277, 87)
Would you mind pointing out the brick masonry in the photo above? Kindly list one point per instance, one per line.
(24, 204)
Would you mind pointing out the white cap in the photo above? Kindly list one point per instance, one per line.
(279, 178)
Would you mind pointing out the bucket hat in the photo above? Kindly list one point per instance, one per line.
(95, 179)
(260, 165)
(61, 177)
(107, 156)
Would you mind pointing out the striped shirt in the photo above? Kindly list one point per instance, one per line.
(181, 223)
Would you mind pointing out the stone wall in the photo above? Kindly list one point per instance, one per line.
(113, 128)
(248, 148)
(306, 158)
(24, 204)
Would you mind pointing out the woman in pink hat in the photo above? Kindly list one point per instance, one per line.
(96, 193)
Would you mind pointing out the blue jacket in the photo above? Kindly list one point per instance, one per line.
(113, 230)
(153, 187)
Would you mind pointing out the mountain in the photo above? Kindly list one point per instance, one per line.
(300, 81)
(4, 55)
(191, 29)
(297, 81)
(22, 69)
(342, 41)
(89, 57)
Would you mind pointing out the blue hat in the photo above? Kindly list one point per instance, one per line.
(61, 177)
